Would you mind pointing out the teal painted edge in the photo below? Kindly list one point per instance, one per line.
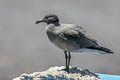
(108, 77)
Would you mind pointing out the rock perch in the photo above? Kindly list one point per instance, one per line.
(58, 73)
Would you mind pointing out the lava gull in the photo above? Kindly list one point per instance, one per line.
(70, 38)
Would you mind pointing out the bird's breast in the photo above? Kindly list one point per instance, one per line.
(65, 45)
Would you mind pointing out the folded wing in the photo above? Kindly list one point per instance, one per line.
(77, 34)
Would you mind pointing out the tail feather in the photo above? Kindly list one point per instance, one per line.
(101, 48)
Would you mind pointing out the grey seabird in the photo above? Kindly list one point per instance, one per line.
(70, 38)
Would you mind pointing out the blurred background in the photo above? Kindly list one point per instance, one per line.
(25, 48)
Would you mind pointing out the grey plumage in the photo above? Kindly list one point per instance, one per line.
(70, 38)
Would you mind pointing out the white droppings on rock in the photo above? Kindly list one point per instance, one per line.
(58, 73)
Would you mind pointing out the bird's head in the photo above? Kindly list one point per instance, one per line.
(49, 19)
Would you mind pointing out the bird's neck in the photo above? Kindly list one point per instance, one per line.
(55, 23)
(51, 27)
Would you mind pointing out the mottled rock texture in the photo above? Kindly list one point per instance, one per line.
(58, 73)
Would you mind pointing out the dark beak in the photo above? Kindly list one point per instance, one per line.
(39, 21)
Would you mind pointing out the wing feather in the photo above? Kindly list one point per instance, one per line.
(78, 35)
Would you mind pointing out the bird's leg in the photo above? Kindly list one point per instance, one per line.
(69, 57)
(66, 57)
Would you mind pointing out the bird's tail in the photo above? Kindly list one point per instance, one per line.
(106, 50)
